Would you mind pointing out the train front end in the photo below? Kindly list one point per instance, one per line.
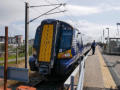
(44, 48)
(56, 48)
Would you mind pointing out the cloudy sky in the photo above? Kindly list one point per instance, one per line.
(89, 16)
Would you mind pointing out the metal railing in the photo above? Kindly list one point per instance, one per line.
(79, 85)
(76, 79)
(81, 77)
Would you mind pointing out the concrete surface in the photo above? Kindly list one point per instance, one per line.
(93, 77)
(97, 75)
(113, 63)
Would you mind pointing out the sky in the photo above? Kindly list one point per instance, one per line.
(89, 16)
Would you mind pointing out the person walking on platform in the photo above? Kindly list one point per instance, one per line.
(93, 45)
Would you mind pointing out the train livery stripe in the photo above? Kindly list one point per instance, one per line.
(46, 43)
(107, 78)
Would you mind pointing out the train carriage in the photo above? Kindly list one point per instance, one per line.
(57, 47)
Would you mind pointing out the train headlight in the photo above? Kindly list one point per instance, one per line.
(66, 54)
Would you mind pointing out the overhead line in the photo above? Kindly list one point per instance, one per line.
(71, 18)
(44, 14)
(47, 5)
(51, 3)
(56, 12)
(69, 14)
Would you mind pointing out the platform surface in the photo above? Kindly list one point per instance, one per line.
(97, 74)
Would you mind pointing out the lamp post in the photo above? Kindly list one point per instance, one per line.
(108, 40)
(103, 36)
(117, 27)
(108, 32)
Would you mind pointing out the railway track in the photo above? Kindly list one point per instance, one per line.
(34, 81)
(49, 82)
(53, 82)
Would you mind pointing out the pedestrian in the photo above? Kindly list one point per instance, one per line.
(93, 45)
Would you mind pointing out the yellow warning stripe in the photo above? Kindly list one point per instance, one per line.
(107, 78)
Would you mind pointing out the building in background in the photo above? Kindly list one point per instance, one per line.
(2, 39)
(18, 39)
(11, 40)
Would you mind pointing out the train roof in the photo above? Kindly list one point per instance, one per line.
(54, 20)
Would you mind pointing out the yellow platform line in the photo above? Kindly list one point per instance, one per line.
(107, 78)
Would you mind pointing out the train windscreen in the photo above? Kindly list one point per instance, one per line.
(66, 39)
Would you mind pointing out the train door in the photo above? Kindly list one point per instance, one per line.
(46, 48)
(46, 43)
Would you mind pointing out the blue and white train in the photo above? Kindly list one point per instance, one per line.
(57, 47)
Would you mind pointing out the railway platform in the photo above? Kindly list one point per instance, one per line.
(98, 75)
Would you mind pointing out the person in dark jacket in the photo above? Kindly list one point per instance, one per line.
(93, 45)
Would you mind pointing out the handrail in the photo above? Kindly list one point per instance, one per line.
(82, 70)
(77, 76)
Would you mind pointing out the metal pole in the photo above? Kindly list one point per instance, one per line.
(108, 41)
(103, 35)
(101, 38)
(72, 82)
(26, 33)
(6, 58)
(118, 28)
(16, 54)
(108, 33)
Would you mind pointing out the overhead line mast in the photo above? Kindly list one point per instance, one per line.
(26, 33)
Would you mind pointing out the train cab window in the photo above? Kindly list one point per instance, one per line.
(66, 39)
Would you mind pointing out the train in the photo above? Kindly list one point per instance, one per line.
(56, 49)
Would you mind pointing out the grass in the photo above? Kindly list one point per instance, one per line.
(12, 62)
(13, 56)
(20, 54)
(10, 57)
